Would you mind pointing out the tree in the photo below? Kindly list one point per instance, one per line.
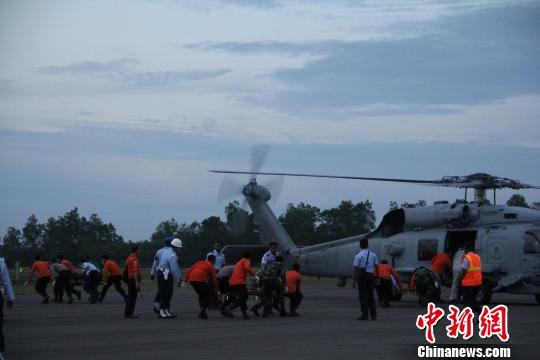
(346, 220)
(301, 223)
(33, 233)
(517, 200)
(394, 205)
(241, 225)
(12, 249)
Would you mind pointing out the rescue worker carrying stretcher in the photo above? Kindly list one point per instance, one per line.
(272, 284)
(427, 286)
(202, 277)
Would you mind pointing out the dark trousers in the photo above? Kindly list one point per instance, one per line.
(366, 288)
(469, 297)
(385, 291)
(2, 345)
(296, 300)
(269, 289)
(240, 298)
(131, 298)
(41, 286)
(205, 293)
(115, 280)
(91, 282)
(63, 283)
(165, 290)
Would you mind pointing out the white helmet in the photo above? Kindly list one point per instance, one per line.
(176, 242)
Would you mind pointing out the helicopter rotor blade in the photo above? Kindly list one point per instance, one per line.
(229, 189)
(275, 187)
(259, 154)
(414, 181)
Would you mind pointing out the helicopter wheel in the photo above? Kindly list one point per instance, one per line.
(537, 297)
(484, 294)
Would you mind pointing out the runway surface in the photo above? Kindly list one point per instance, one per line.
(327, 329)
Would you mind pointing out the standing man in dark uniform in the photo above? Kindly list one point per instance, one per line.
(133, 281)
(10, 295)
(365, 265)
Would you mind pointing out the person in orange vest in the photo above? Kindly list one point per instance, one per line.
(238, 282)
(133, 281)
(441, 264)
(202, 277)
(111, 275)
(385, 272)
(471, 277)
(293, 278)
(43, 271)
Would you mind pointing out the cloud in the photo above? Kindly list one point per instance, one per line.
(164, 78)
(489, 56)
(90, 68)
(123, 71)
(477, 57)
(272, 47)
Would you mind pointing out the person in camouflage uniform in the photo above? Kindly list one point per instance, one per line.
(272, 280)
(427, 286)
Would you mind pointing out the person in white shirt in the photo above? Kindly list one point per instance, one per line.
(91, 279)
(270, 255)
(5, 281)
(365, 265)
(219, 255)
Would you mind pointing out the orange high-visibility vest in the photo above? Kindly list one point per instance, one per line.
(473, 277)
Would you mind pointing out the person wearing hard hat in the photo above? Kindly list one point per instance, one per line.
(471, 277)
(167, 271)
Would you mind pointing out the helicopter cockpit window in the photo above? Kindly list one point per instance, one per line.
(427, 249)
(532, 242)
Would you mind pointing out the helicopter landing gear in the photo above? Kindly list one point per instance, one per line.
(484, 294)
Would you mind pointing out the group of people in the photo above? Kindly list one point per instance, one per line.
(465, 272)
(226, 287)
(66, 277)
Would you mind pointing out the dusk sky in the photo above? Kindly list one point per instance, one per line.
(120, 108)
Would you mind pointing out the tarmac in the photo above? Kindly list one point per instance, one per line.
(327, 329)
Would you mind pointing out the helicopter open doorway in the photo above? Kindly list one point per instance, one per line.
(456, 239)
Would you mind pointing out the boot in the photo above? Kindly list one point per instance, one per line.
(163, 314)
(255, 311)
(156, 306)
(203, 315)
(169, 313)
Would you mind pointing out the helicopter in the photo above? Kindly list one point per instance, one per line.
(507, 238)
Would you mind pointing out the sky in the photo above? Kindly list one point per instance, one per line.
(121, 108)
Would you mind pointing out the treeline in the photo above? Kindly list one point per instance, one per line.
(74, 235)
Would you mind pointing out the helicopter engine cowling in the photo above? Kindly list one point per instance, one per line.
(438, 215)
(256, 191)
